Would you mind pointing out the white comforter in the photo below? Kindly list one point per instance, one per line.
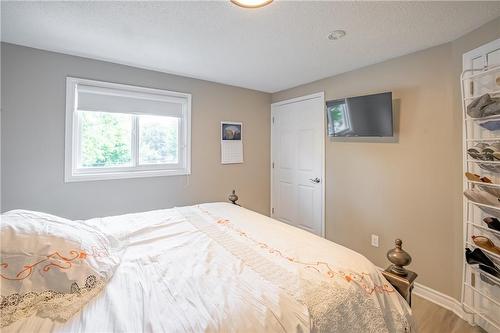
(221, 268)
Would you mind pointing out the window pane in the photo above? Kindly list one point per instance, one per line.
(158, 140)
(105, 139)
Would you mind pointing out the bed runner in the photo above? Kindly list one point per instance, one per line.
(334, 305)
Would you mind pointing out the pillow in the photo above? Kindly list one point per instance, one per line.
(51, 266)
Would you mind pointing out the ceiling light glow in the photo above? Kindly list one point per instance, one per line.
(251, 3)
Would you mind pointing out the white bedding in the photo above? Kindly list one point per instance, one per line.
(222, 268)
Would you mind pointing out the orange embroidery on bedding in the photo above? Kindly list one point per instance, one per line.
(52, 260)
(362, 279)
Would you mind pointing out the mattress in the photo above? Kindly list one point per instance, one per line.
(218, 267)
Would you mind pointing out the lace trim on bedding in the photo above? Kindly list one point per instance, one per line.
(48, 303)
(362, 279)
(333, 305)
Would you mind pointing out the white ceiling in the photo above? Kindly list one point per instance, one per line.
(269, 49)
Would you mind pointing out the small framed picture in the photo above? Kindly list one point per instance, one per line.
(231, 142)
(231, 131)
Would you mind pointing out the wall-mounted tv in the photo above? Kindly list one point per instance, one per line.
(361, 116)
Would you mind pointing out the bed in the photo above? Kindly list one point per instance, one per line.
(218, 267)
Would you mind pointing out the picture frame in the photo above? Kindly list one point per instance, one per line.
(231, 139)
(231, 131)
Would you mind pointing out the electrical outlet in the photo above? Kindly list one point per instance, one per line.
(375, 240)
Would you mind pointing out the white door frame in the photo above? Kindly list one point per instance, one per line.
(320, 95)
(479, 52)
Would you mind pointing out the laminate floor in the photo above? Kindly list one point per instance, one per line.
(431, 318)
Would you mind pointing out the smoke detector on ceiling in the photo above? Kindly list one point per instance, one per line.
(336, 34)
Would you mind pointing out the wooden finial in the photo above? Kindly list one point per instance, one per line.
(233, 197)
(399, 258)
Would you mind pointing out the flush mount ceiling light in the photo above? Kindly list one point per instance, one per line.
(251, 3)
(336, 34)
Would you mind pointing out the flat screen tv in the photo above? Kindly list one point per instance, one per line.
(361, 116)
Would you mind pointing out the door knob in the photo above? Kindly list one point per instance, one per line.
(315, 180)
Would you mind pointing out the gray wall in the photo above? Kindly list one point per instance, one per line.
(395, 189)
(411, 188)
(32, 140)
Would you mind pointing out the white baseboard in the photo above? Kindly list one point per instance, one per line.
(442, 300)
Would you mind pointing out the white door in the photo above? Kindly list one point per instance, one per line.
(297, 162)
(484, 56)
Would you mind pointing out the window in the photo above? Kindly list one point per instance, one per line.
(120, 131)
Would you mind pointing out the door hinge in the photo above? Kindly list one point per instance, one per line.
(273, 119)
(272, 210)
(471, 88)
(273, 165)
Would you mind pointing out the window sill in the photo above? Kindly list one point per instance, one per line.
(82, 177)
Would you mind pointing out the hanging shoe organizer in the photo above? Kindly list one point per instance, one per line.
(481, 162)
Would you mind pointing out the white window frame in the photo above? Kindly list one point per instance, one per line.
(74, 174)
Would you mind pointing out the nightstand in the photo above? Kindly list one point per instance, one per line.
(403, 284)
